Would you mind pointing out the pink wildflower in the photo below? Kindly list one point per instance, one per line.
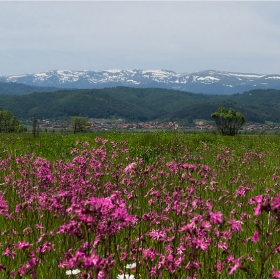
(23, 245)
(149, 254)
(235, 225)
(159, 235)
(255, 237)
(202, 243)
(85, 144)
(10, 253)
(222, 245)
(219, 266)
(129, 168)
(275, 202)
(41, 238)
(123, 256)
(101, 275)
(258, 210)
(47, 246)
(216, 217)
(39, 226)
(275, 273)
(3, 206)
(236, 262)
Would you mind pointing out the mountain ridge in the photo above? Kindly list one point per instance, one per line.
(206, 81)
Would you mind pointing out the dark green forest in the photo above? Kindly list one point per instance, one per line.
(20, 89)
(138, 104)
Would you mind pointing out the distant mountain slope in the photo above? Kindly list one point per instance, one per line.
(12, 88)
(139, 104)
(209, 82)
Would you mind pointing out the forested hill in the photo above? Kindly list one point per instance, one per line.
(20, 89)
(136, 104)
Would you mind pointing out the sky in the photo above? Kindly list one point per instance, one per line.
(183, 36)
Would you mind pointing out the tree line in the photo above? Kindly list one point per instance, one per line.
(228, 122)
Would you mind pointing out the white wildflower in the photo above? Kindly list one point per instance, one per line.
(72, 272)
(130, 266)
(125, 276)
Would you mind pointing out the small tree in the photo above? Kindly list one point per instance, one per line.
(229, 121)
(80, 124)
(35, 126)
(8, 122)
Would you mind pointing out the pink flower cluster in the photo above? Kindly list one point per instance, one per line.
(102, 210)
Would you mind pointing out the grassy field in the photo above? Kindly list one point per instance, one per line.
(139, 205)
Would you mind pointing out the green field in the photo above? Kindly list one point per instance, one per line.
(139, 205)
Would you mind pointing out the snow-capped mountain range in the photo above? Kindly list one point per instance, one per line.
(210, 81)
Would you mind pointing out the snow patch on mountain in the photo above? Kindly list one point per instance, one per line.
(273, 77)
(209, 81)
(246, 75)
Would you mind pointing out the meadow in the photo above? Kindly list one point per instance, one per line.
(139, 205)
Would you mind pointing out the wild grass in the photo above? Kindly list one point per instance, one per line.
(143, 205)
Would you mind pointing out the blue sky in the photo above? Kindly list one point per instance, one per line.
(183, 36)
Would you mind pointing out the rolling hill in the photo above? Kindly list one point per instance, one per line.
(142, 104)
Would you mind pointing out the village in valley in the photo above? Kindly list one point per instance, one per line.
(48, 125)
